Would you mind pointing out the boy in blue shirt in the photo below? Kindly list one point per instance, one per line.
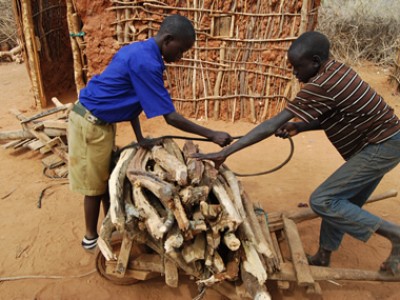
(131, 83)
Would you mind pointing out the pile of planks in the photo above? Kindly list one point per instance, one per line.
(197, 218)
(45, 132)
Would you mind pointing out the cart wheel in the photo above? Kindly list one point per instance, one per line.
(137, 250)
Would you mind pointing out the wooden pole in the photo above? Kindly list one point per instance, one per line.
(76, 54)
(31, 49)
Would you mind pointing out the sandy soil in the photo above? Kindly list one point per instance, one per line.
(46, 242)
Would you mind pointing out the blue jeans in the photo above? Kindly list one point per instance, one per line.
(339, 199)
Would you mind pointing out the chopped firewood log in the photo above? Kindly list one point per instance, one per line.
(210, 211)
(195, 167)
(174, 240)
(171, 164)
(226, 203)
(116, 188)
(192, 195)
(231, 241)
(261, 245)
(255, 289)
(163, 190)
(147, 212)
(252, 263)
(104, 240)
(171, 273)
(209, 175)
(218, 265)
(195, 250)
(173, 149)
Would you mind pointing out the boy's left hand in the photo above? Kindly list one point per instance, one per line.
(221, 138)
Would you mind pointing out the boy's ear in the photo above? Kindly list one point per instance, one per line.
(168, 38)
(316, 61)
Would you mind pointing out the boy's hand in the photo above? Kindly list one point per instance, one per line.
(221, 138)
(149, 143)
(217, 157)
(287, 130)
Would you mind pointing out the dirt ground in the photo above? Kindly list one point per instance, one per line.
(44, 244)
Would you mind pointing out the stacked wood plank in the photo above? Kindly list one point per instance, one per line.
(197, 218)
(45, 132)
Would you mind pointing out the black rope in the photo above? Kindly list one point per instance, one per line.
(273, 169)
(179, 137)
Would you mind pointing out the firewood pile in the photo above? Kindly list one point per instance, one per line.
(45, 132)
(197, 218)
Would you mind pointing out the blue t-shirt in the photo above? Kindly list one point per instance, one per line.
(131, 83)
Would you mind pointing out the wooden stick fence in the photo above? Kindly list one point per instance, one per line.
(237, 68)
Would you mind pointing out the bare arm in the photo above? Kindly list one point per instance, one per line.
(292, 128)
(137, 129)
(259, 133)
(178, 121)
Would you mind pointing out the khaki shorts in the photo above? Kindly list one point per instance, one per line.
(89, 151)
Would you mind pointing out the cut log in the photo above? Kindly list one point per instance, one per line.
(253, 287)
(116, 189)
(171, 164)
(192, 195)
(273, 261)
(171, 273)
(104, 240)
(196, 250)
(261, 245)
(218, 265)
(174, 240)
(226, 204)
(173, 149)
(252, 263)
(195, 167)
(149, 214)
(231, 241)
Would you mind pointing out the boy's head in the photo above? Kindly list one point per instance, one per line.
(176, 36)
(307, 53)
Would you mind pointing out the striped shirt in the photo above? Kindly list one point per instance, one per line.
(350, 112)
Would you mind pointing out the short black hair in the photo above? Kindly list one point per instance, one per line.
(311, 43)
(178, 26)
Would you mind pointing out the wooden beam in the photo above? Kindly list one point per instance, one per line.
(299, 259)
(323, 273)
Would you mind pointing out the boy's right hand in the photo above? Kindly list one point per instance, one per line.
(221, 138)
(288, 129)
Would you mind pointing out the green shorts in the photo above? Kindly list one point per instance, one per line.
(89, 151)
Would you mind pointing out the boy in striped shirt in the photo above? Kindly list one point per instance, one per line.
(361, 126)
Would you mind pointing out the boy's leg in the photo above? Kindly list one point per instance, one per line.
(329, 232)
(92, 210)
(336, 199)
